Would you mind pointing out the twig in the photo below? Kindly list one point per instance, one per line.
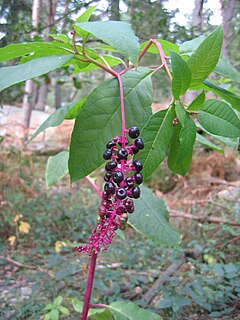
(149, 295)
(27, 266)
(202, 218)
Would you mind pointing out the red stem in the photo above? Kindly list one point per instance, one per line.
(93, 185)
(89, 287)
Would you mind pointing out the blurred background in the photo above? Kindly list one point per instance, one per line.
(40, 227)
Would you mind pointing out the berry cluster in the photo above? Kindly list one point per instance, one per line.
(122, 179)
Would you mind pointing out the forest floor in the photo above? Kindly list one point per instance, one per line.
(40, 227)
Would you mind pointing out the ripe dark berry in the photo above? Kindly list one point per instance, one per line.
(139, 143)
(129, 181)
(130, 209)
(117, 176)
(110, 165)
(120, 210)
(134, 132)
(107, 154)
(107, 176)
(138, 165)
(135, 150)
(109, 188)
(110, 144)
(122, 154)
(121, 193)
(136, 192)
(102, 211)
(138, 177)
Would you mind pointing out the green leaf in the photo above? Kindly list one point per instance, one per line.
(47, 316)
(181, 147)
(181, 75)
(181, 114)
(60, 37)
(225, 68)
(203, 61)
(13, 51)
(48, 307)
(99, 119)
(57, 168)
(64, 310)
(228, 96)
(78, 306)
(165, 303)
(34, 68)
(56, 118)
(105, 315)
(58, 301)
(203, 140)
(188, 47)
(166, 46)
(74, 111)
(217, 117)
(54, 314)
(85, 16)
(197, 103)
(151, 219)
(156, 136)
(123, 310)
(118, 34)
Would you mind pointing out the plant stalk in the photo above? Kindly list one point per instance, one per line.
(89, 286)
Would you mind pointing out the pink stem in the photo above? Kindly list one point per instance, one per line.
(93, 186)
(89, 287)
(122, 110)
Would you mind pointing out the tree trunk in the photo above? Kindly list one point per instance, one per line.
(29, 85)
(58, 96)
(198, 17)
(227, 15)
(42, 96)
(114, 9)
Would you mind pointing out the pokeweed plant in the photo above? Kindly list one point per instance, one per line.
(115, 124)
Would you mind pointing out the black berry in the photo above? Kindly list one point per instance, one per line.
(122, 154)
(134, 132)
(121, 193)
(139, 143)
(129, 182)
(135, 150)
(102, 211)
(109, 188)
(138, 165)
(107, 154)
(117, 176)
(138, 177)
(136, 192)
(110, 165)
(110, 144)
(120, 210)
(107, 176)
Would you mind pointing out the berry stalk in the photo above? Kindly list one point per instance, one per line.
(89, 286)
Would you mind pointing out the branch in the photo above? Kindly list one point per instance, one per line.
(21, 265)
(150, 294)
(202, 218)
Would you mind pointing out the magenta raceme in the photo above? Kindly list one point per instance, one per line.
(122, 179)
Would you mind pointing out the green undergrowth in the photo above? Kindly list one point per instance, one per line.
(46, 265)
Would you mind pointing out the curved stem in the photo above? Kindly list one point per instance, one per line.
(93, 185)
(122, 110)
(89, 286)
